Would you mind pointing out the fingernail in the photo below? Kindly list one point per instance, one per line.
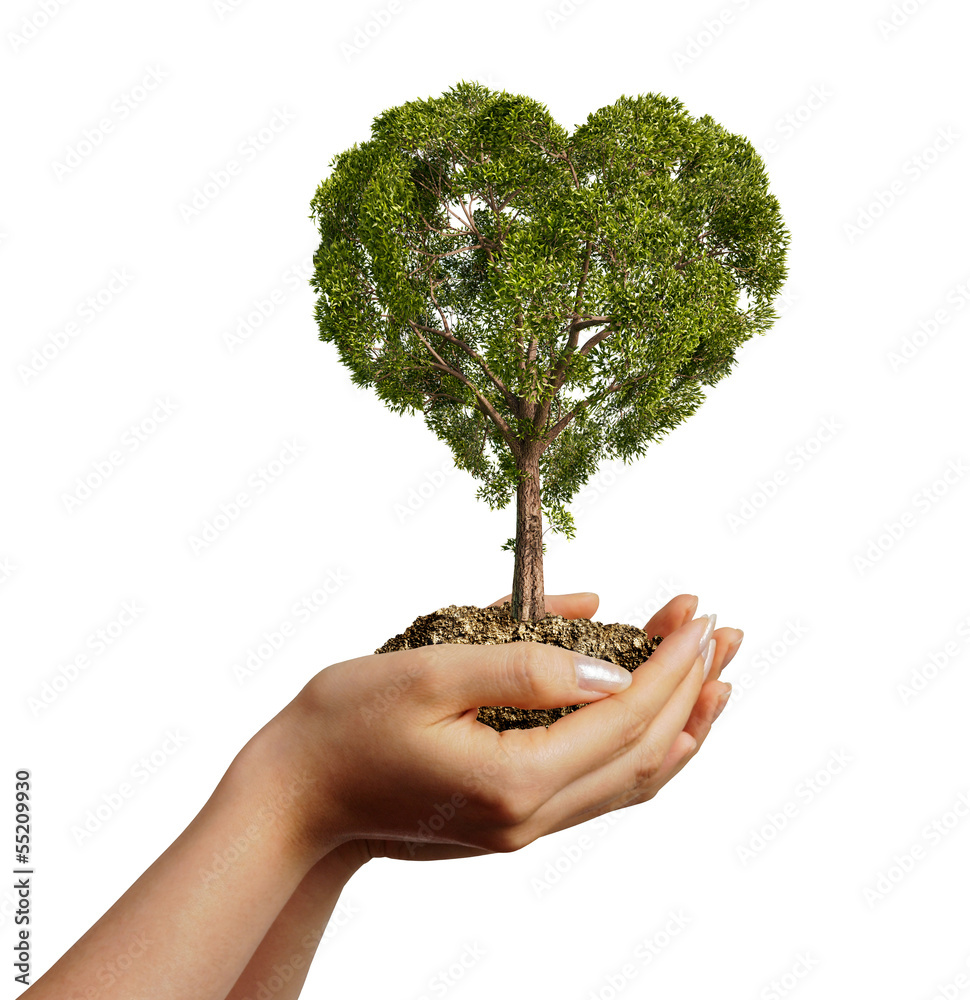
(721, 702)
(709, 656)
(706, 634)
(600, 675)
(732, 649)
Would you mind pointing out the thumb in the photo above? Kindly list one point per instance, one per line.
(526, 675)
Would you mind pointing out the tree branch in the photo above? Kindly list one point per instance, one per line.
(578, 324)
(583, 403)
(558, 374)
(583, 276)
(473, 354)
(450, 253)
(507, 200)
(594, 340)
(564, 155)
(483, 404)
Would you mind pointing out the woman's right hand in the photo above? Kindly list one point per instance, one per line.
(399, 760)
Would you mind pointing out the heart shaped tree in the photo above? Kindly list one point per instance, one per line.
(545, 299)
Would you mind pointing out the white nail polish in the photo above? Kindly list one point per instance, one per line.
(709, 656)
(706, 635)
(600, 675)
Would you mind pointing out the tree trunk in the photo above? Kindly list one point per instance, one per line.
(528, 592)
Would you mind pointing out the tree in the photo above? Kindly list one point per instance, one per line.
(544, 299)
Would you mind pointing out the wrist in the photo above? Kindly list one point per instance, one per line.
(289, 790)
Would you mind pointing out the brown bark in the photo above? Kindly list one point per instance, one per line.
(528, 592)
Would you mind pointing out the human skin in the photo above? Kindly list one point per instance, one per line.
(292, 941)
(253, 879)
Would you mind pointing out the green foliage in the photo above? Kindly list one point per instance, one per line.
(517, 284)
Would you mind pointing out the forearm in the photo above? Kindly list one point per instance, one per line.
(190, 924)
(280, 964)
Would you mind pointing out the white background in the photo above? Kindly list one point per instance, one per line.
(846, 103)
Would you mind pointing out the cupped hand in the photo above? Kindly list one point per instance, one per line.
(409, 773)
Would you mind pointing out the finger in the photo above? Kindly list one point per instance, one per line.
(631, 775)
(706, 707)
(696, 730)
(455, 677)
(684, 747)
(702, 716)
(582, 605)
(706, 711)
(676, 612)
(386, 668)
(725, 648)
(732, 643)
(585, 740)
